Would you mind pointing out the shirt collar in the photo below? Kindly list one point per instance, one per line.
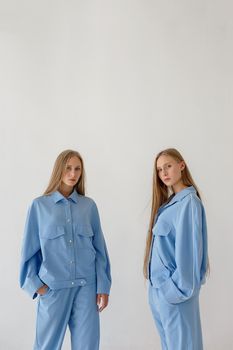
(180, 195)
(57, 196)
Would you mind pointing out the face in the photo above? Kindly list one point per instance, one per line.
(170, 170)
(72, 172)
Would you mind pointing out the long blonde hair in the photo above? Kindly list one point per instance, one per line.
(160, 195)
(58, 171)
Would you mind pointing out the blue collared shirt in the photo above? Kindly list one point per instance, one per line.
(178, 261)
(63, 245)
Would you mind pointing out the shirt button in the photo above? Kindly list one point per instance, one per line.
(71, 261)
(70, 240)
(68, 220)
(72, 283)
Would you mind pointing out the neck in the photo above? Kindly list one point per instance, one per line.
(65, 190)
(178, 187)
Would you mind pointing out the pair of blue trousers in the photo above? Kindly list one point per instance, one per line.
(179, 325)
(74, 307)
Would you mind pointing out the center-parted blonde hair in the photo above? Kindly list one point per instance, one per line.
(161, 194)
(59, 169)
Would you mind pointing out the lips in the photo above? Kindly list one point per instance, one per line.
(167, 179)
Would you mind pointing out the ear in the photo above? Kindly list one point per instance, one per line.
(182, 165)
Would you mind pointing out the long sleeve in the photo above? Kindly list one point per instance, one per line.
(30, 255)
(189, 254)
(102, 259)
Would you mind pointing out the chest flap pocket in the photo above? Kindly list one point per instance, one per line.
(84, 230)
(53, 232)
(161, 228)
(85, 235)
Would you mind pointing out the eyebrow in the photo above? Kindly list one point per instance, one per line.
(165, 164)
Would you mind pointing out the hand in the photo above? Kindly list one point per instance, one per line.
(42, 290)
(101, 301)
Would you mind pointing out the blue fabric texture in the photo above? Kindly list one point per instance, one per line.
(63, 245)
(177, 269)
(178, 260)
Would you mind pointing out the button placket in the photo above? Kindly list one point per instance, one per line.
(70, 240)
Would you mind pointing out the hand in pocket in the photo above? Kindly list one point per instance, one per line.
(42, 290)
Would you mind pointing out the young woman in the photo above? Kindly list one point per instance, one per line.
(65, 260)
(176, 253)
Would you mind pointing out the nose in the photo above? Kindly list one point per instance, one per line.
(164, 171)
(72, 173)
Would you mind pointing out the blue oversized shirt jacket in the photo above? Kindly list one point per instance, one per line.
(178, 260)
(63, 245)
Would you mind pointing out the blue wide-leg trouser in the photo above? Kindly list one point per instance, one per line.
(179, 325)
(75, 307)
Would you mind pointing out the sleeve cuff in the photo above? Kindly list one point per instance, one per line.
(103, 288)
(32, 285)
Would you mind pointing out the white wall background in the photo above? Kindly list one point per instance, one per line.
(118, 81)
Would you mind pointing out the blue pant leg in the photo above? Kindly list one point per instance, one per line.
(53, 313)
(181, 323)
(84, 319)
(154, 305)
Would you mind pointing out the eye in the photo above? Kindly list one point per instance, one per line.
(68, 167)
(159, 170)
(78, 168)
(169, 166)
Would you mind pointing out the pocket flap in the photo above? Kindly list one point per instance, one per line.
(53, 232)
(85, 230)
(161, 228)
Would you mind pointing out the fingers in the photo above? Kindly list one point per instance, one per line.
(42, 290)
(102, 301)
